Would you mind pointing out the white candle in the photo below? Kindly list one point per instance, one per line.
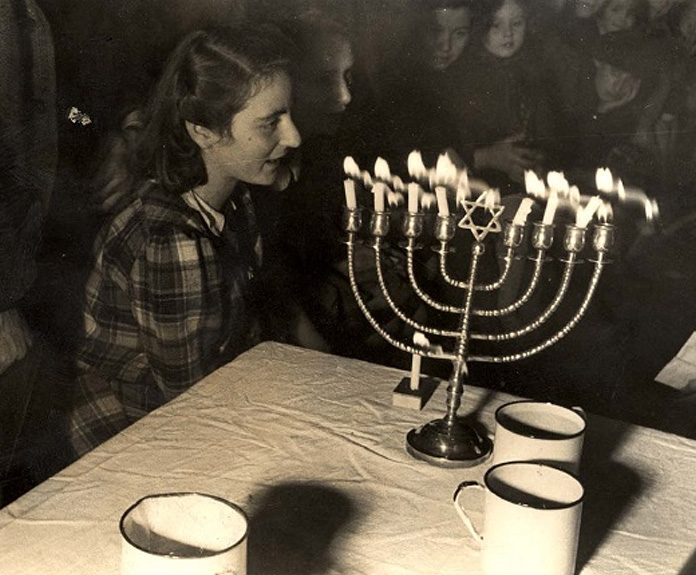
(349, 188)
(441, 194)
(414, 191)
(585, 214)
(379, 191)
(550, 210)
(523, 211)
(421, 341)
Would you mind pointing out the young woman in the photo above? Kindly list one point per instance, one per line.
(171, 294)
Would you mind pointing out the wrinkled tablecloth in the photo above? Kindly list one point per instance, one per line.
(311, 447)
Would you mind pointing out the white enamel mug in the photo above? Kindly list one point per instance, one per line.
(183, 534)
(531, 519)
(537, 431)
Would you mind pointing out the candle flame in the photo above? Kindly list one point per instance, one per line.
(416, 167)
(492, 198)
(534, 185)
(420, 340)
(428, 200)
(394, 198)
(445, 171)
(574, 196)
(621, 191)
(605, 213)
(351, 168)
(398, 184)
(557, 181)
(382, 171)
(463, 188)
(604, 180)
(652, 210)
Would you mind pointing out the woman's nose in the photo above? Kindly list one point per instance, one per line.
(290, 136)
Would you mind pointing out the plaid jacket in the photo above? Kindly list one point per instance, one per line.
(166, 303)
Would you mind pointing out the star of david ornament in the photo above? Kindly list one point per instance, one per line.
(481, 231)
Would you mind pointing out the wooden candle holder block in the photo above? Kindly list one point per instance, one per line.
(404, 396)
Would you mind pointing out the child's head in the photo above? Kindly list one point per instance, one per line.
(616, 15)
(504, 24)
(209, 78)
(446, 32)
(625, 61)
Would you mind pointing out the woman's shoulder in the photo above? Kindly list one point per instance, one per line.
(153, 216)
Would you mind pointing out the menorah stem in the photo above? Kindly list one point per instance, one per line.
(460, 370)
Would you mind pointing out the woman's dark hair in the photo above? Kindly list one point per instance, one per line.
(208, 78)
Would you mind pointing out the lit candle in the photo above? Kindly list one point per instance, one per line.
(523, 211)
(421, 341)
(585, 214)
(550, 211)
(379, 191)
(441, 194)
(414, 192)
(492, 198)
(349, 188)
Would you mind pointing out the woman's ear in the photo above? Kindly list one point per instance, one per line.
(204, 137)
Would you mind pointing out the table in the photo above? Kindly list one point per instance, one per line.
(311, 447)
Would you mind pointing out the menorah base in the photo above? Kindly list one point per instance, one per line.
(458, 444)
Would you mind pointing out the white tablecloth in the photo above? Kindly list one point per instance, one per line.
(312, 448)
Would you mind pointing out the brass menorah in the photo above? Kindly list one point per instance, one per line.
(454, 441)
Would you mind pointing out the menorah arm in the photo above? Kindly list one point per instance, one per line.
(368, 316)
(417, 289)
(560, 334)
(571, 262)
(477, 287)
(534, 281)
(398, 312)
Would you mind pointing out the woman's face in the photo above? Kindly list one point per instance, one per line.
(446, 36)
(260, 135)
(616, 15)
(322, 91)
(506, 34)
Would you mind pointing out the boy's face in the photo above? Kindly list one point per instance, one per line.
(446, 36)
(615, 86)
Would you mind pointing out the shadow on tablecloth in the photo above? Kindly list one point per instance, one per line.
(611, 487)
(293, 528)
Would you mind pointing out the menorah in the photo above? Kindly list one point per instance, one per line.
(454, 441)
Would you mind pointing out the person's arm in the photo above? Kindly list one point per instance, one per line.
(178, 308)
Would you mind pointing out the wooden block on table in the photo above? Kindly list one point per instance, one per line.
(404, 396)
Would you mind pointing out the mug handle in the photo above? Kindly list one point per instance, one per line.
(460, 510)
(580, 411)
